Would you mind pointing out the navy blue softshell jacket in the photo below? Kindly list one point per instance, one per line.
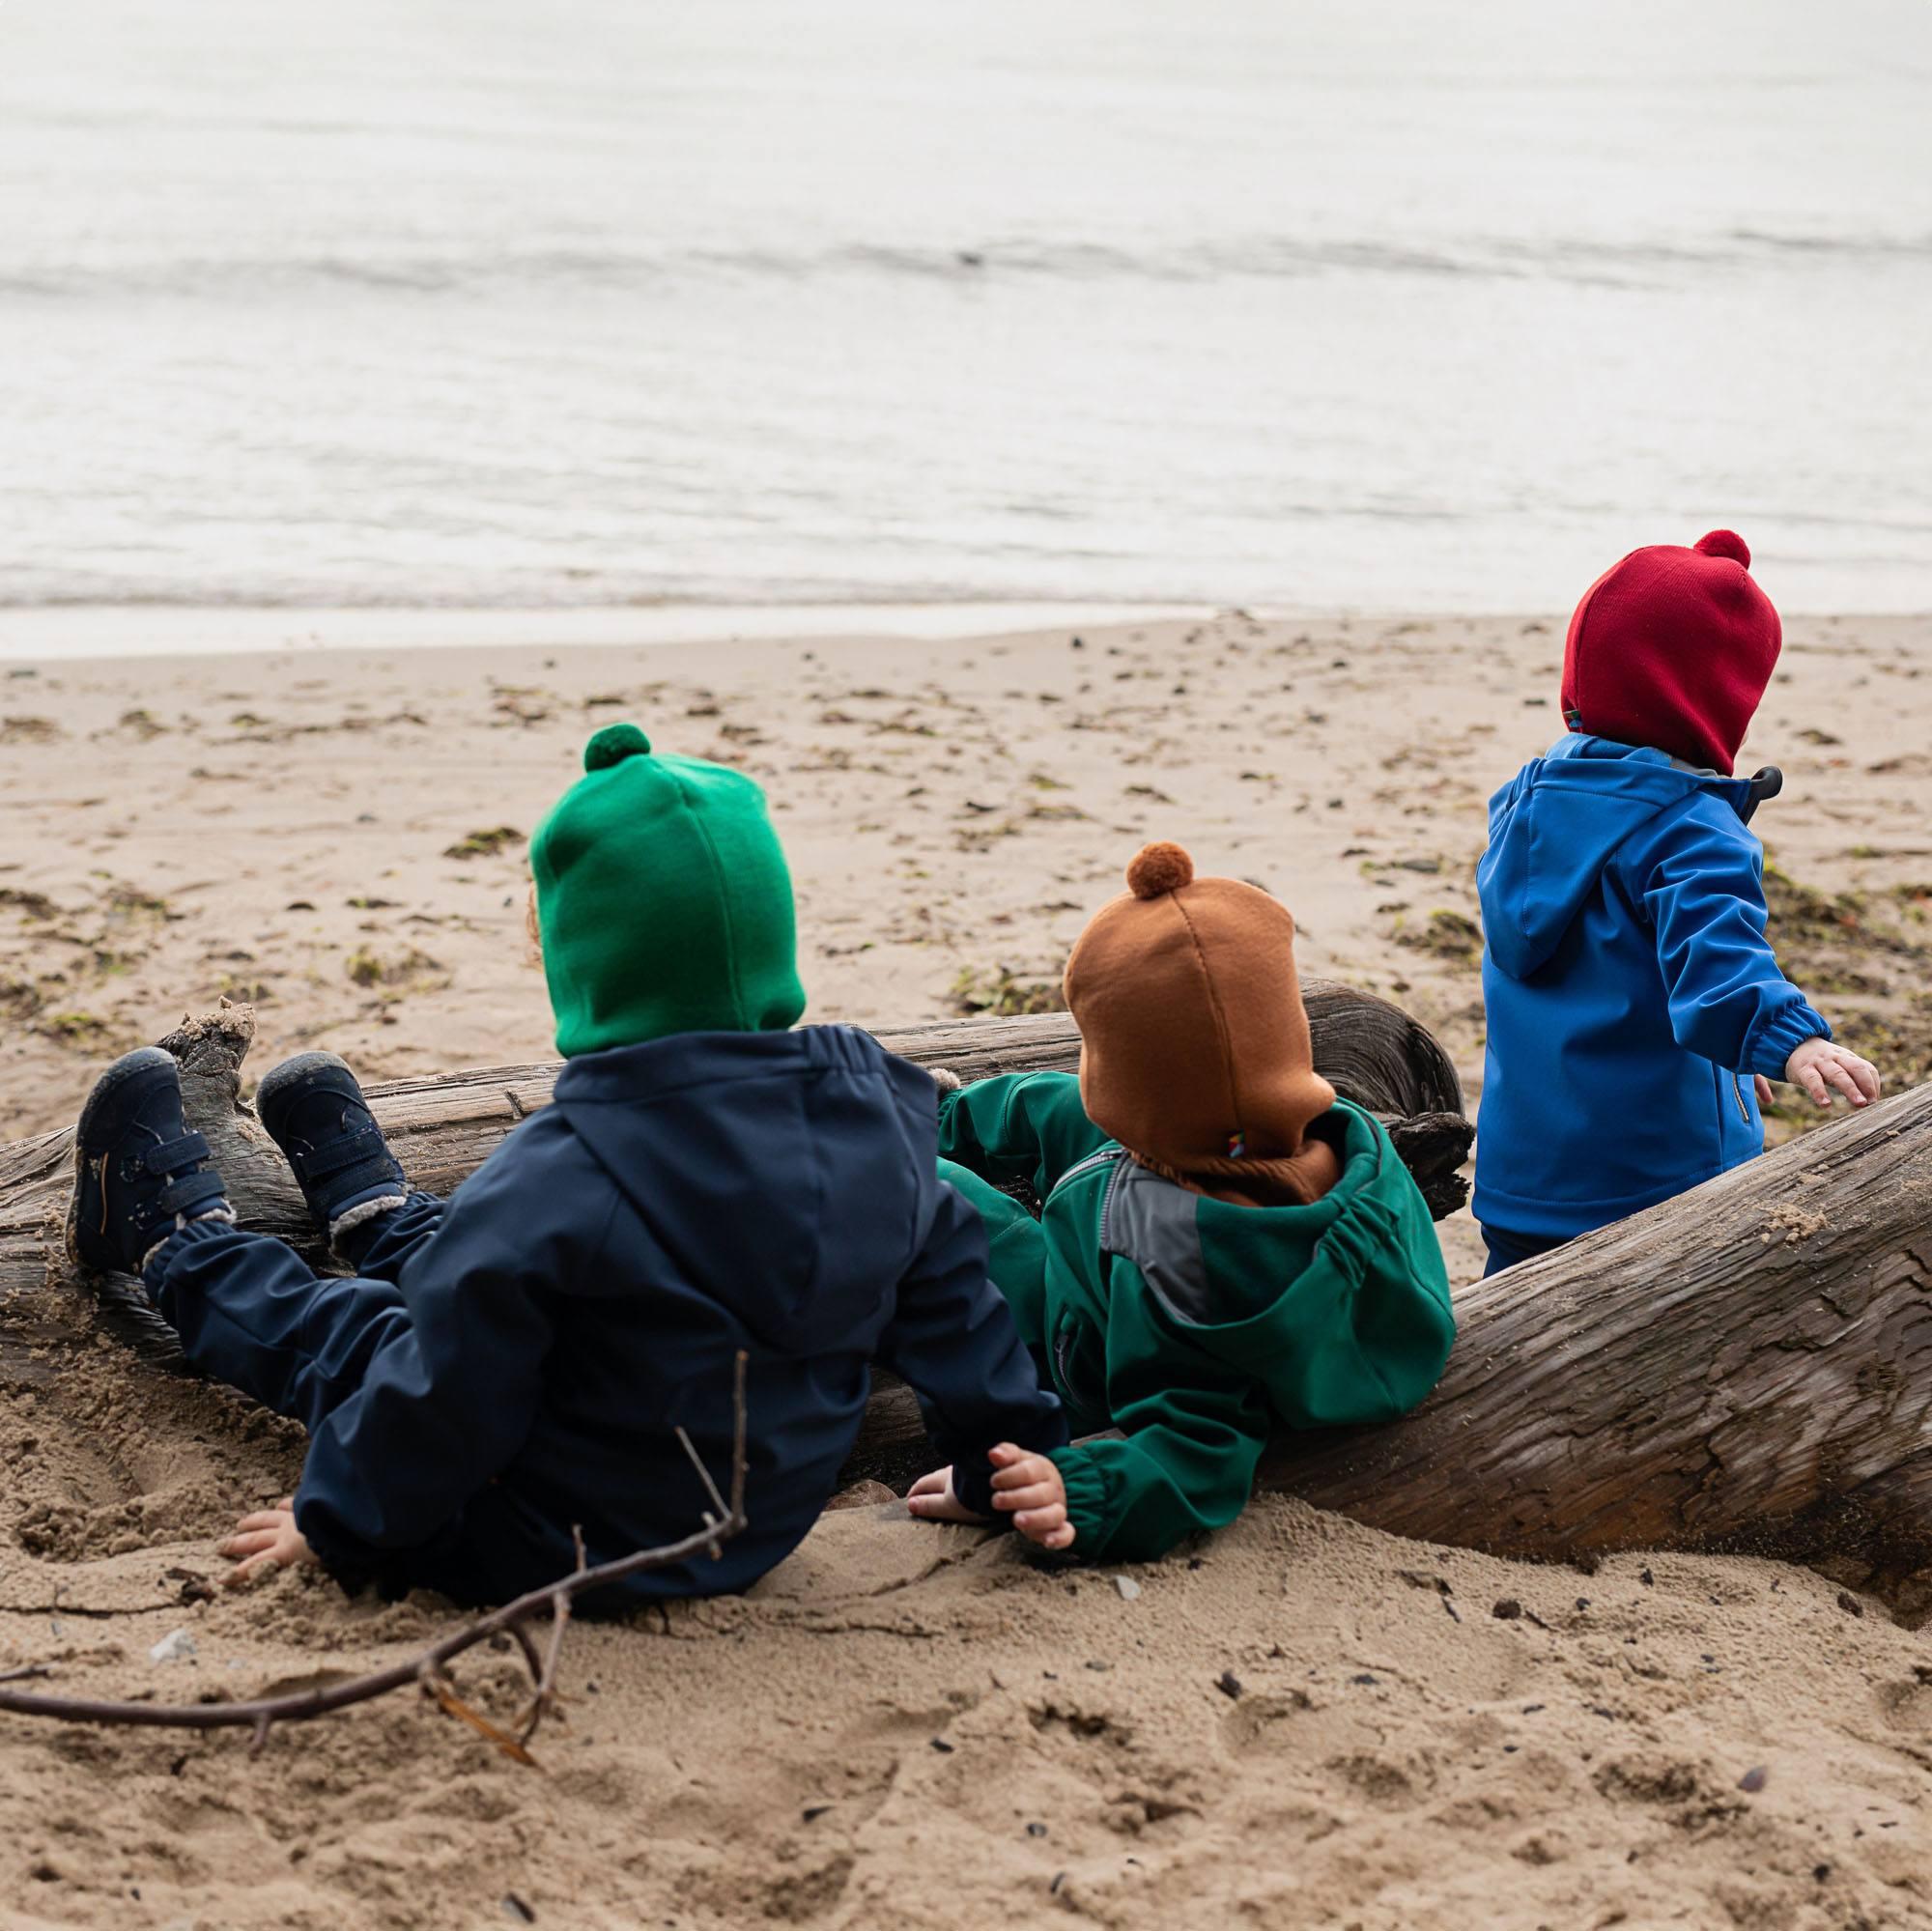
(589, 1287)
(1629, 989)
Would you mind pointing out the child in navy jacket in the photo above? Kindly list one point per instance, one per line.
(514, 1362)
(1635, 1010)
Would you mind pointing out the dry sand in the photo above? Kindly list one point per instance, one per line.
(908, 1725)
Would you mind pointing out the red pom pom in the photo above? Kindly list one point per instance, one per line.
(1158, 869)
(1726, 543)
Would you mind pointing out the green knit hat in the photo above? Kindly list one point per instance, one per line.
(663, 901)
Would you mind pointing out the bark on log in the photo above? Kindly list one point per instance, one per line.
(443, 1129)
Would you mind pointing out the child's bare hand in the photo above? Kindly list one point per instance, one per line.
(269, 1539)
(1766, 1098)
(1033, 1490)
(931, 1498)
(1821, 1067)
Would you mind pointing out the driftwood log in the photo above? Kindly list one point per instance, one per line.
(1749, 1367)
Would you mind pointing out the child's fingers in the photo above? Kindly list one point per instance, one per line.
(1004, 1455)
(1762, 1088)
(1839, 1076)
(1060, 1538)
(1036, 1522)
(1865, 1075)
(248, 1544)
(929, 1503)
(247, 1571)
(1034, 1497)
(1813, 1083)
(935, 1482)
(1017, 1474)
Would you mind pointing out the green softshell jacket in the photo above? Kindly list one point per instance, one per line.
(1193, 1324)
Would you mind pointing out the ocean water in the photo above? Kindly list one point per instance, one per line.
(1359, 304)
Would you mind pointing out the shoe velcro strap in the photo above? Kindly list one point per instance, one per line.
(191, 1190)
(335, 1156)
(171, 1155)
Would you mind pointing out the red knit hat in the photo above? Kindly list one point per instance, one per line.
(1672, 649)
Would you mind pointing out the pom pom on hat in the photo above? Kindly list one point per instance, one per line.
(1724, 542)
(1159, 867)
(613, 744)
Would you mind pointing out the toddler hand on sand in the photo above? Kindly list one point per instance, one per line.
(1032, 1487)
(1819, 1064)
(1029, 1486)
(269, 1539)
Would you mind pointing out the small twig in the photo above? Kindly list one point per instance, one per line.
(703, 1474)
(426, 1668)
(454, 1706)
(710, 1488)
(531, 1659)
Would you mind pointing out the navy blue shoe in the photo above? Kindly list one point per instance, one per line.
(315, 1113)
(138, 1172)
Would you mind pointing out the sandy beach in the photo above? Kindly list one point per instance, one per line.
(907, 1725)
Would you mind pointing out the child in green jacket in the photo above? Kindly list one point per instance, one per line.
(1223, 1244)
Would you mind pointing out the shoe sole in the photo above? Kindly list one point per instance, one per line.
(123, 1069)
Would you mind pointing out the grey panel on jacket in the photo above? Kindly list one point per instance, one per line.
(1152, 1222)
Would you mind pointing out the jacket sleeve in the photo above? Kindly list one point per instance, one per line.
(1700, 884)
(445, 1408)
(953, 1339)
(1186, 1464)
(1022, 1126)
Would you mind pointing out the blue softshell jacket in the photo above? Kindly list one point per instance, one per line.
(1629, 989)
(590, 1284)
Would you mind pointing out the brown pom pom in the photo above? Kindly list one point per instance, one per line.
(1158, 869)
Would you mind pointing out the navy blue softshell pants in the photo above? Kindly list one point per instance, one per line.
(252, 1312)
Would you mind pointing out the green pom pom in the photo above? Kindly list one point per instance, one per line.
(613, 744)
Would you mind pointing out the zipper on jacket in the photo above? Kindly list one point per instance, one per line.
(1077, 1397)
(1738, 1092)
(1079, 1167)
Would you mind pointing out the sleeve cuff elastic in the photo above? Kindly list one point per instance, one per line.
(1088, 1501)
(1781, 1036)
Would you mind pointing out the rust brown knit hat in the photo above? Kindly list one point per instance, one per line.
(1194, 1042)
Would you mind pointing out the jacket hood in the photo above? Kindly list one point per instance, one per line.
(1280, 1293)
(821, 1127)
(1558, 822)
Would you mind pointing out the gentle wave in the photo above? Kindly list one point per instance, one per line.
(1258, 257)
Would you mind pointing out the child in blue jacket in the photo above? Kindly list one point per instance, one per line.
(1635, 1009)
(514, 1362)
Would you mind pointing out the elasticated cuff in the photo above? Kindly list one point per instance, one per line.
(973, 1487)
(218, 1220)
(1088, 1501)
(1778, 1038)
